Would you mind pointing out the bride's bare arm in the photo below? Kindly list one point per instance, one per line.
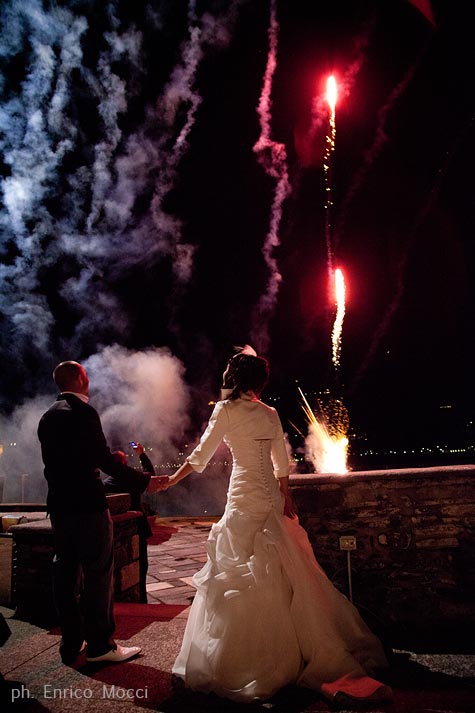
(181, 473)
(289, 509)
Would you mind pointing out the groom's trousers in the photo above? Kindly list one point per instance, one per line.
(83, 580)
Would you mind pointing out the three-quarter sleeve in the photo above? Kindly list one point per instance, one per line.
(211, 438)
(279, 455)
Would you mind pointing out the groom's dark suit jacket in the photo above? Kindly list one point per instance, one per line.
(74, 448)
(134, 484)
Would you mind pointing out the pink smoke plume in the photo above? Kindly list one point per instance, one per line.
(273, 157)
(424, 6)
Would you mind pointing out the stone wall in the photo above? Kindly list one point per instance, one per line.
(8, 518)
(6, 542)
(413, 569)
(32, 595)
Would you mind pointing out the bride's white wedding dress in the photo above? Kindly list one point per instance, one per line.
(265, 614)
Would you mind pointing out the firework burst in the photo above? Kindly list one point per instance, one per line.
(326, 444)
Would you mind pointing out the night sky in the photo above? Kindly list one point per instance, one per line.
(134, 210)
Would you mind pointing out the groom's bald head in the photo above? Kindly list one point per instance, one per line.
(71, 376)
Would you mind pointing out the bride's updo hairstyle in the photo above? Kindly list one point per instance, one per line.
(248, 373)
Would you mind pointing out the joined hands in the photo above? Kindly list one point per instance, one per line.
(158, 483)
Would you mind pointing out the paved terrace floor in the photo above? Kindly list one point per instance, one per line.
(176, 551)
(422, 682)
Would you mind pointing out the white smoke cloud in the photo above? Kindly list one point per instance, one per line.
(36, 138)
(81, 190)
(141, 396)
(111, 91)
(151, 156)
(21, 452)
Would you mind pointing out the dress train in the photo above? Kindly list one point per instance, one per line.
(265, 615)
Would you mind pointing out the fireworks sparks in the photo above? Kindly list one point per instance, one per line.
(340, 292)
(336, 278)
(326, 444)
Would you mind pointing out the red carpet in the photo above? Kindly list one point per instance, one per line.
(161, 533)
(132, 618)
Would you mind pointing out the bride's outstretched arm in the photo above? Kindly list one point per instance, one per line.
(209, 442)
(181, 473)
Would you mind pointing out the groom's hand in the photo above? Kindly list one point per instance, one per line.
(157, 483)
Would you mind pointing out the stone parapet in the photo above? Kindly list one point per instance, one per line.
(22, 507)
(413, 567)
(6, 548)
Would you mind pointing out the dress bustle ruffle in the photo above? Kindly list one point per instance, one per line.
(266, 615)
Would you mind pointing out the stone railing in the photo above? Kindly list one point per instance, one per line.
(31, 544)
(11, 515)
(412, 572)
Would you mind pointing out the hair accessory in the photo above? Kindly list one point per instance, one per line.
(246, 349)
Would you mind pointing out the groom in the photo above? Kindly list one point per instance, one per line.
(74, 448)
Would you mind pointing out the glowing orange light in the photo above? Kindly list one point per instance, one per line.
(326, 444)
(340, 295)
(332, 93)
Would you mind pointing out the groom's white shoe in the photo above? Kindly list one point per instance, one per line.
(120, 653)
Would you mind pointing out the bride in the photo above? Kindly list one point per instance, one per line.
(265, 614)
